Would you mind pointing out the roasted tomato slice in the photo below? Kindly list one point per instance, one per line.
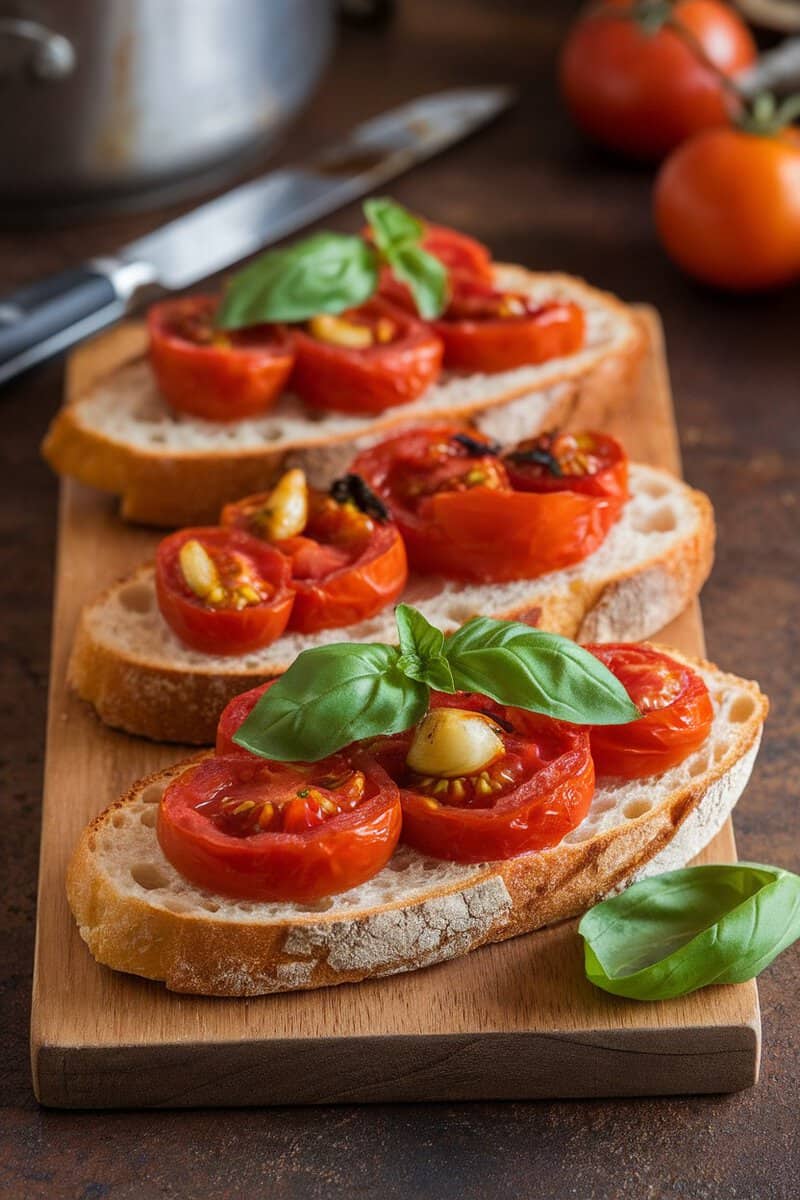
(591, 463)
(676, 706)
(488, 330)
(221, 590)
(221, 375)
(460, 517)
(233, 714)
(366, 360)
(346, 565)
(260, 830)
(528, 798)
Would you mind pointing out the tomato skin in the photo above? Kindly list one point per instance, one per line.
(339, 575)
(381, 376)
(665, 735)
(502, 343)
(727, 208)
(610, 479)
(242, 378)
(484, 534)
(233, 715)
(643, 93)
(340, 853)
(537, 814)
(223, 631)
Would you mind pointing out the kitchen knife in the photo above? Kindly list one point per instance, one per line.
(45, 317)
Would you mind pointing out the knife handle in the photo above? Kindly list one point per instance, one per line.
(47, 316)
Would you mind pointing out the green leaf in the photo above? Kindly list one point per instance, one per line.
(422, 650)
(539, 671)
(425, 276)
(674, 933)
(327, 272)
(332, 696)
(391, 224)
(398, 235)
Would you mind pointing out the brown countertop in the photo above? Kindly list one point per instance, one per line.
(537, 195)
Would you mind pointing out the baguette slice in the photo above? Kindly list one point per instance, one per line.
(137, 914)
(172, 469)
(139, 677)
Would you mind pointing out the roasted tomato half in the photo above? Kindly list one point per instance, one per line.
(263, 830)
(221, 590)
(464, 257)
(235, 712)
(591, 463)
(536, 788)
(221, 375)
(365, 360)
(449, 492)
(487, 330)
(676, 706)
(346, 564)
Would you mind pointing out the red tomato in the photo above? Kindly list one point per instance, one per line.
(460, 517)
(463, 256)
(242, 603)
(269, 831)
(527, 799)
(727, 208)
(643, 92)
(487, 330)
(592, 463)
(676, 706)
(233, 714)
(402, 362)
(221, 375)
(346, 566)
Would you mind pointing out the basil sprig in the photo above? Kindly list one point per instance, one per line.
(674, 933)
(338, 694)
(331, 272)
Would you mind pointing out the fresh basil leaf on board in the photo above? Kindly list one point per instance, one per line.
(324, 273)
(539, 671)
(332, 696)
(674, 933)
(421, 646)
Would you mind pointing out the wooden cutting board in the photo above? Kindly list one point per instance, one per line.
(514, 1020)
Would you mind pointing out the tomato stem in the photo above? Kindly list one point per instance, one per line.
(765, 117)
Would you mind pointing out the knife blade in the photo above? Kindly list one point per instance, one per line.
(46, 317)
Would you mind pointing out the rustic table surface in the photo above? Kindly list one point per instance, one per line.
(537, 195)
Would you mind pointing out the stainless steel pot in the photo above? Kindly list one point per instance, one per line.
(114, 100)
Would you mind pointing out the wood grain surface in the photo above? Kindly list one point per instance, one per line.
(512, 1020)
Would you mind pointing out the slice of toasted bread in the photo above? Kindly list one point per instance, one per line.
(139, 677)
(173, 469)
(137, 914)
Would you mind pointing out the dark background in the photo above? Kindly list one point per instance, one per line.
(537, 195)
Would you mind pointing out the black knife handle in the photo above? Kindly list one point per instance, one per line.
(33, 317)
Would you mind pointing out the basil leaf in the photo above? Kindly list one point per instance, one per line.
(425, 276)
(674, 933)
(391, 224)
(539, 671)
(421, 646)
(332, 696)
(327, 272)
(398, 235)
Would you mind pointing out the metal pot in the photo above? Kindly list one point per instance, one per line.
(129, 100)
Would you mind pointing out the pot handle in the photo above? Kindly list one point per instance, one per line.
(52, 55)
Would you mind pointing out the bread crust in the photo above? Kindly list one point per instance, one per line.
(170, 488)
(237, 956)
